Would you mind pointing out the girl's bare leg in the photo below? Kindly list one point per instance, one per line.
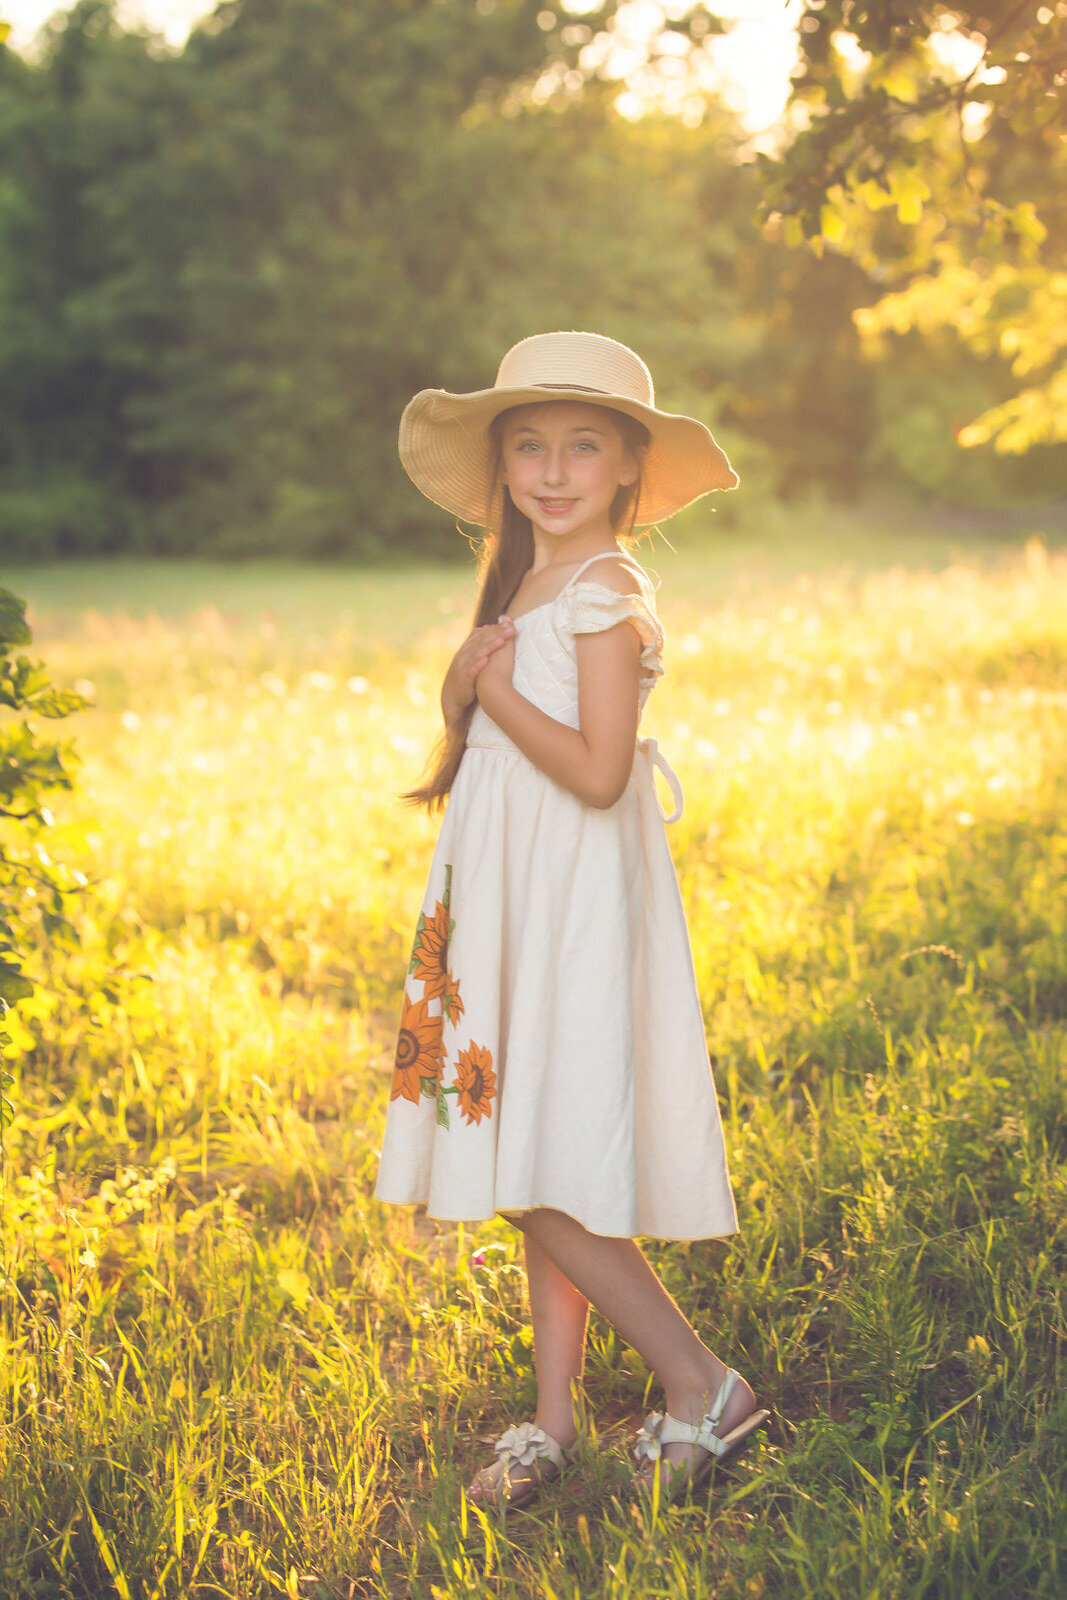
(614, 1275)
(560, 1315)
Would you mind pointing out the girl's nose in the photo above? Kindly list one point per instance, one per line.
(555, 467)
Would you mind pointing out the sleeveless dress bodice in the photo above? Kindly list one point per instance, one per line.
(546, 661)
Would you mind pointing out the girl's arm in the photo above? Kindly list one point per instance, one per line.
(593, 761)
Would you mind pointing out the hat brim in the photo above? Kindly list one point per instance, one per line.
(444, 448)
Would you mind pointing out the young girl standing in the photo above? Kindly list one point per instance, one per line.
(551, 1063)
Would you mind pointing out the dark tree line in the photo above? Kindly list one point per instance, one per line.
(224, 270)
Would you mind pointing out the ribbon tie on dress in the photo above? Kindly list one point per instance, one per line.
(649, 747)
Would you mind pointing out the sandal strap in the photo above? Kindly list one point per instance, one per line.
(673, 1431)
(726, 1389)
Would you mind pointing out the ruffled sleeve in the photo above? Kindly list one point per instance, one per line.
(592, 607)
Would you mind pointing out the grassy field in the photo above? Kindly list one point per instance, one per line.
(228, 1371)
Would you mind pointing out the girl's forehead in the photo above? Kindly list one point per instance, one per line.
(560, 414)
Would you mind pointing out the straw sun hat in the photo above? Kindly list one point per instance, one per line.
(444, 443)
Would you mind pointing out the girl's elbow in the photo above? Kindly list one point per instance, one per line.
(603, 794)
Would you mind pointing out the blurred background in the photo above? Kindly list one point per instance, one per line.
(235, 241)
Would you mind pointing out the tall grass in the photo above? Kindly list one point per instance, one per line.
(228, 1371)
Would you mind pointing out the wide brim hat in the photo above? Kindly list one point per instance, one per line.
(444, 438)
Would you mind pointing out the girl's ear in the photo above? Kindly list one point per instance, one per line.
(631, 467)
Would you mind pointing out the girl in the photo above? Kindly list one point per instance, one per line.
(551, 1063)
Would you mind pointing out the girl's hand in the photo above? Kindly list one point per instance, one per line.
(474, 654)
(498, 669)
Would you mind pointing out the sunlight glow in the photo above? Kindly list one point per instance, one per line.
(748, 66)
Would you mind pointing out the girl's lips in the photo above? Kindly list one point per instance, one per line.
(554, 505)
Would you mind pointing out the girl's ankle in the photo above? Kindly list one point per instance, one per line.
(690, 1397)
(559, 1428)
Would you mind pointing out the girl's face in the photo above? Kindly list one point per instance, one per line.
(563, 463)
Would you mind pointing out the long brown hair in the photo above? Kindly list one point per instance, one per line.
(505, 556)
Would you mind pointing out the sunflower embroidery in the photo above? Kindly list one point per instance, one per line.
(451, 1004)
(429, 953)
(476, 1082)
(420, 1052)
(429, 958)
(475, 1085)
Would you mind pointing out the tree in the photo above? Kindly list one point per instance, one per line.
(316, 210)
(934, 149)
(63, 465)
(287, 249)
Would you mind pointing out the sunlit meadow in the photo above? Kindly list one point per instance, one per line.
(228, 1371)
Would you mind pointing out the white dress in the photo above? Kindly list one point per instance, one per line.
(551, 1047)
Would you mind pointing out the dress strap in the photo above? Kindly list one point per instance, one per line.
(649, 747)
(618, 555)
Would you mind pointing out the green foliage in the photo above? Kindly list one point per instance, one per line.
(63, 462)
(366, 220)
(314, 210)
(1019, 312)
(226, 269)
(869, 126)
(941, 156)
(33, 887)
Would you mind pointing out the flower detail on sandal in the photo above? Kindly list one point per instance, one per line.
(648, 1446)
(524, 1443)
(526, 1446)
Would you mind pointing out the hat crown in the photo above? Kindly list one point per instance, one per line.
(577, 361)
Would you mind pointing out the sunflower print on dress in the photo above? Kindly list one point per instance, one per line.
(477, 1082)
(429, 955)
(420, 1051)
(419, 1067)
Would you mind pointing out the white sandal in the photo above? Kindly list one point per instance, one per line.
(527, 1446)
(660, 1429)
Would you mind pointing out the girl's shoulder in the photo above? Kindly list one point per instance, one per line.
(614, 594)
(621, 574)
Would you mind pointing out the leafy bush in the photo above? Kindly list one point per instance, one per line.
(33, 887)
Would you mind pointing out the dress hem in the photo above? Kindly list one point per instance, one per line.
(510, 1211)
